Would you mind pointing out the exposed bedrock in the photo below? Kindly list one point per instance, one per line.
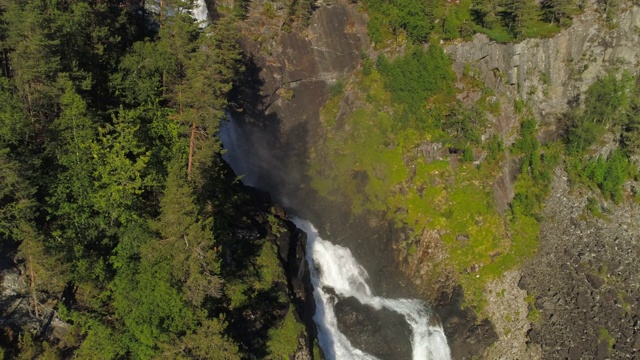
(384, 333)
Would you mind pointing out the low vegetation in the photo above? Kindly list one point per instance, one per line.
(612, 107)
(503, 21)
(384, 161)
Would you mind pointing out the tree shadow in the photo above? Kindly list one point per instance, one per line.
(250, 323)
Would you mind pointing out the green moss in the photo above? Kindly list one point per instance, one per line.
(534, 314)
(283, 340)
(604, 335)
(374, 161)
(336, 89)
(317, 352)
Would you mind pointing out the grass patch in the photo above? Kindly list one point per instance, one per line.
(604, 335)
(534, 314)
(375, 161)
(283, 340)
(498, 34)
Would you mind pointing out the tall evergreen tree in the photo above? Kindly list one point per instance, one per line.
(559, 11)
(519, 15)
(32, 58)
(77, 228)
(485, 13)
(211, 71)
(121, 174)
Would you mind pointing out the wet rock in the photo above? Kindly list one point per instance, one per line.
(466, 335)
(382, 333)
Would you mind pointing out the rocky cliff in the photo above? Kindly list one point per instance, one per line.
(566, 286)
(552, 74)
(577, 298)
(291, 69)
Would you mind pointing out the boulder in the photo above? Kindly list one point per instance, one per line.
(382, 333)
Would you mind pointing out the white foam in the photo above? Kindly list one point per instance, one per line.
(334, 266)
(200, 12)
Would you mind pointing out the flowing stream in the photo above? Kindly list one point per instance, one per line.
(333, 266)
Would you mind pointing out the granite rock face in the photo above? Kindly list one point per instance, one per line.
(288, 79)
(553, 73)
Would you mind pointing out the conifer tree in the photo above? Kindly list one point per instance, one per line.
(32, 58)
(519, 15)
(77, 227)
(210, 74)
(485, 12)
(196, 263)
(121, 174)
(559, 11)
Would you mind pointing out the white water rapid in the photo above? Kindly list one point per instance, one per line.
(334, 266)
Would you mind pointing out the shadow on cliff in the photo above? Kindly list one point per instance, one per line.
(271, 154)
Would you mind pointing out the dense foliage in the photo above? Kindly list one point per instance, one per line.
(113, 195)
(611, 106)
(417, 76)
(502, 20)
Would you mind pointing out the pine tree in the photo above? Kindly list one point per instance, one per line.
(121, 174)
(32, 58)
(77, 227)
(559, 11)
(631, 127)
(519, 15)
(210, 74)
(196, 264)
(485, 12)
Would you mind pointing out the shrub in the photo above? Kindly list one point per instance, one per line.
(418, 75)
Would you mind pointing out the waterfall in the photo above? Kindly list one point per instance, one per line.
(200, 12)
(334, 266)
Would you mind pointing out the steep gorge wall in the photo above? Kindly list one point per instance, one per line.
(291, 74)
(581, 286)
(552, 74)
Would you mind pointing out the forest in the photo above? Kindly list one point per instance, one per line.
(114, 200)
(117, 207)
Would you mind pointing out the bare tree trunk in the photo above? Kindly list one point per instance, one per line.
(34, 298)
(192, 142)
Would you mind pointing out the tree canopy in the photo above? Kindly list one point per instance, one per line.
(113, 196)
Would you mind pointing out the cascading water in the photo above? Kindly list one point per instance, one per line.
(200, 12)
(333, 266)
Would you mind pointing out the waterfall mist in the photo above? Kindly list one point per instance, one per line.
(249, 153)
